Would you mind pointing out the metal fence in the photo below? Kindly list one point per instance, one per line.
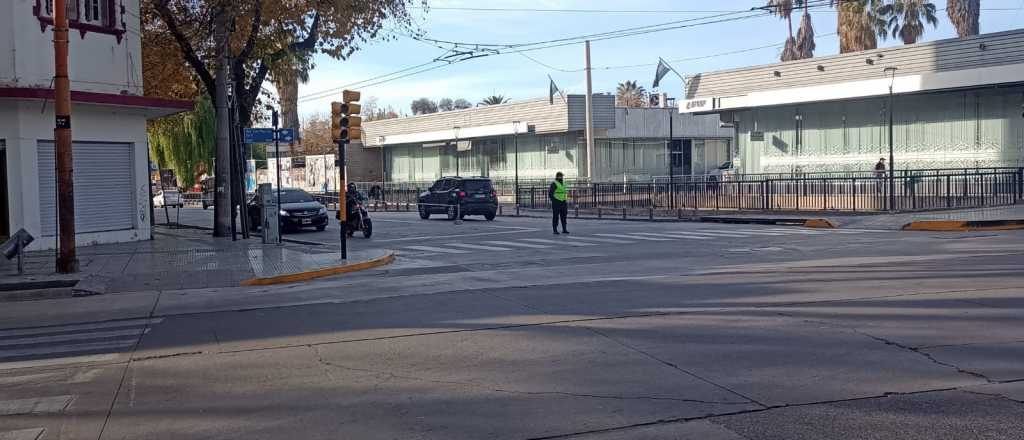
(910, 192)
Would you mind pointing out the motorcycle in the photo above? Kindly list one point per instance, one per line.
(359, 220)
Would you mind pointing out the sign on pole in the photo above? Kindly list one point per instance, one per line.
(258, 135)
(286, 135)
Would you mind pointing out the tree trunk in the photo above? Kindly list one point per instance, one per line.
(288, 92)
(222, 167)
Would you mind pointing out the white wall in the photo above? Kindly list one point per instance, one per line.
(98, 63)
(22, 125)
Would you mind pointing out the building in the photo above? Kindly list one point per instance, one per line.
(956, 103)
(109, 113)
(538, 137)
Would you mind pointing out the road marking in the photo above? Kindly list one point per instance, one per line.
(525, 245)
(762, 232)
(73, 327)
(600, 240)
(66, 348)
(478, 247)
(795, 231)
(556, 242)
(23, 434)
(449, 237)
(437, 249)
(73, 337)
(37, 405)
(713, 233)
(59, 361)
(12, 380)
(636, 237)
(675, 235)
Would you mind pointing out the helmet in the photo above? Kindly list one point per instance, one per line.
(351, 187)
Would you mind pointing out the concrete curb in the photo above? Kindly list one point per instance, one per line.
(821, 223)
(963, 225)
(386, 259)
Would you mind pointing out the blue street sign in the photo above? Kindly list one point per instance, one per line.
(259, 135)
(286, 135)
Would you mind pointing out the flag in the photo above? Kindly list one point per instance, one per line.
(663, 69)
(552, 89)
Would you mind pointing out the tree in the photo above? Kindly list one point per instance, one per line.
(964, 14)
(860, 24)
(805, 36)
(784, 10)
(184, 142)
(372, 111)
(494, 100)
(462, 104)
(423, 106)
(446, 105)
(907, 18)
(316, 135)
(630, 94)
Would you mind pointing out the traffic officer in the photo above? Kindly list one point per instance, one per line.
(559, 208)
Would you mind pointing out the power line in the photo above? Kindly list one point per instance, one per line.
(327, 92)
(580, 11)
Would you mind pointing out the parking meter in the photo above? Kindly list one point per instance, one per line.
(270, 222)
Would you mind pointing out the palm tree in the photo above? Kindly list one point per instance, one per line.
(964, 15)
(630, 94)
(784, 10)
(907, 18)
(805, 36)
(494, 100)
(860, 24)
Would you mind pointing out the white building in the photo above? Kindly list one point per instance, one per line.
(108, 121)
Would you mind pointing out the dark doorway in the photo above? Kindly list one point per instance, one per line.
(5, 225)
(687, 146)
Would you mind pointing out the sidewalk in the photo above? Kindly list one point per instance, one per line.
(180, 259)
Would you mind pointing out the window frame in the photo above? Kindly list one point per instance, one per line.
(112, 24)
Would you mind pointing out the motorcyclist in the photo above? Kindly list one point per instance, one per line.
(352, 198)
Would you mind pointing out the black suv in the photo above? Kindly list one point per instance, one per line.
(459, 197)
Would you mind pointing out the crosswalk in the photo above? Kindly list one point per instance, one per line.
(622, 238)
(70, 344)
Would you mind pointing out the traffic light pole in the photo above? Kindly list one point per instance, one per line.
(342, 202)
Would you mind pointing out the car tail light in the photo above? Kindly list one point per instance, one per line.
(462, 194)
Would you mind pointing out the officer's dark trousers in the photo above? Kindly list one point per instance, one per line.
(559, 211)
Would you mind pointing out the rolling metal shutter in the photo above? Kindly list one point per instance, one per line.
(104, 192)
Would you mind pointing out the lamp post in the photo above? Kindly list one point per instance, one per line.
(891, 71)
(515, 143)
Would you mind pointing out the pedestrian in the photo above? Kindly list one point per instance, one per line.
(559, 206)
(879, 173)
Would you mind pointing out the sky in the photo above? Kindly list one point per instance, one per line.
(518, 77)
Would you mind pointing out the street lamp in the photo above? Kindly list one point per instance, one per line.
(891, 71)
(515, 142)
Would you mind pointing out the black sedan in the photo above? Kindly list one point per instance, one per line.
(298, 210)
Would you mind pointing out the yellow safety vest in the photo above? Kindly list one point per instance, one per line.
(560, 193)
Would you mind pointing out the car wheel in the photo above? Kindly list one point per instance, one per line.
(489, 216)
(424, 213)
(451, 212)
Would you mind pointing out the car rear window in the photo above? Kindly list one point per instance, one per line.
(476, 185)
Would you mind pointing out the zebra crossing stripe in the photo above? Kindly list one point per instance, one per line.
(37, 405)
(525, 245)
(58, 349)
(76, 327)
(762, 232)
(675, 235)
(38, 363)
(437, 249)
(599, 240)
(478, 247)
(636, 237)
(560, 243)
(73, 337)
(23, 434)
(794, 230)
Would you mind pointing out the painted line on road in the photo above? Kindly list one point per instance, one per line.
(73, 337)
(38, 363)
(512, 243)
(59, 349)
(676, 235)
(477, 246)
(557, 242)
(23, 434)
(763, 232)
(635, 237)
(797, 231)
(437, 249)
(36, 405)
(710, 233)
(600, 240)
(449, 237)
(75, 327)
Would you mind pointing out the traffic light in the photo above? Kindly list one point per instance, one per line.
(346, 125)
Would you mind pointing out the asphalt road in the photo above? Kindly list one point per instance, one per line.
(621, 330)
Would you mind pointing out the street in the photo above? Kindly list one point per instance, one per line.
(502, 330)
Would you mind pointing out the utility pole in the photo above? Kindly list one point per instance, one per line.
(892, 160)
(222, 170)
(67, 261)
(277, 163)
(590, 116)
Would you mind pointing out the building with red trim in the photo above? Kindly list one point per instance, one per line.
(108, 121)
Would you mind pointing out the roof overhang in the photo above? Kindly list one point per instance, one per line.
(149, 106)
(454, 134)
(907, 84)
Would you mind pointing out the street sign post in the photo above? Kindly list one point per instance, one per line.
(259, 135)
(286, 135)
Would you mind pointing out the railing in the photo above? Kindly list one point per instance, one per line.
(910, 192)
